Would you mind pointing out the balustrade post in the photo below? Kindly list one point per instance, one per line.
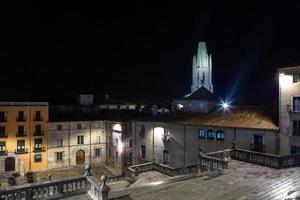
(88, 168)
(104, 188)
(200, 154)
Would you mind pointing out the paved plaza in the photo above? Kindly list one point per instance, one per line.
(243, 181)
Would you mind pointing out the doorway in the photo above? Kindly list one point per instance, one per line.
(80, 157)
(258, 143)
(10, 164)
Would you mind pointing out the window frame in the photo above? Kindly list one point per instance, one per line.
(39, 160)
(211, 134)
(200, 136)
(220, 132)
(80, 139)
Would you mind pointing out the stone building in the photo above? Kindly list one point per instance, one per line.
(73, 143)
(23, 136)
(289, 109)
(175, 139)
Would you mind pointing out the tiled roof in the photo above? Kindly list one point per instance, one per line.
(260, 118)
(201, 94)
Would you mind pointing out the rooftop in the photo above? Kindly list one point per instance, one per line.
(201, 94)
(247, 117)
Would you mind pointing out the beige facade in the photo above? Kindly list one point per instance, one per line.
(76, 143)
(289, 113)
(180, 146)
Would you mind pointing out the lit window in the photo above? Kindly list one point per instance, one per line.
(38, 158)
(201, 133)
(211, 135)
(220, 135)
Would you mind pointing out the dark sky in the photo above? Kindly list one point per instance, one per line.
(144, 50)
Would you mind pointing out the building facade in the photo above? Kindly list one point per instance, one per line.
(23, 136)
(176, 141)
(72, 143)
(289, 110)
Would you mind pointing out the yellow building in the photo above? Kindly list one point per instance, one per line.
(23, 136)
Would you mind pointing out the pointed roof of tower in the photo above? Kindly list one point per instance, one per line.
(201, 94)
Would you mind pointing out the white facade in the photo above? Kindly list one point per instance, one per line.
(202, 69)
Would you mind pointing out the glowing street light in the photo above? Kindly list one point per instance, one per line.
(225, 105)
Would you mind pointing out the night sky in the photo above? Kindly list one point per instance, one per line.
(145, 50)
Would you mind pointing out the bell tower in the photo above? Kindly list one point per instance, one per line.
(202, 69)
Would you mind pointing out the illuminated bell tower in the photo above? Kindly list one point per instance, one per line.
(202, 69)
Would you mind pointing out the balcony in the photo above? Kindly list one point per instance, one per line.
(38, 133)
(3, 153)
(21, 134)
(3, 135)
(166, 138)
(38, 150)
(21, 151)
(38, 118)
(21, 118)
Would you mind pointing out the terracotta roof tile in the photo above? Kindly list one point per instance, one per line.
(239, 117)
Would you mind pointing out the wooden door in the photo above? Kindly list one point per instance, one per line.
(80, 157)
(10, 164)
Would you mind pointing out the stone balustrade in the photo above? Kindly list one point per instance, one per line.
(47, 190)
(268, 160)
(66, 187)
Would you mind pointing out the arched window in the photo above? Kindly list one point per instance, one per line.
(201, 133)
(211, 134)
(220, 135)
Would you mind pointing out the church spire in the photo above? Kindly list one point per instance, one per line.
(202, 69)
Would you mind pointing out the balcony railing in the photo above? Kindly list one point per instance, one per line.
(38, 133)
(41, 149)
(21, 134)
(21, 118)
(38, 118)
(3, 153)
(21, 151)
(3, 135)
